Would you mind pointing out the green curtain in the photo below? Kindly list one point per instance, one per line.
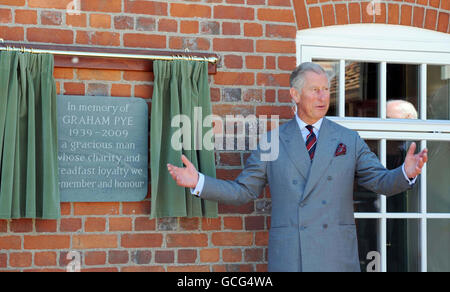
(28, 137)
(180, 88)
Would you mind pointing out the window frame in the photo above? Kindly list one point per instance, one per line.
(383, 44)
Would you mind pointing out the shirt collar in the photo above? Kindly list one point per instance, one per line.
(302, 124)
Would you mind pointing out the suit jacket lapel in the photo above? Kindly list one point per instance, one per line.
(326, 147)
(292, 140)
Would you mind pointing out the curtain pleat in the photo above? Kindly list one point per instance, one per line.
(180, 88)
(28, 137)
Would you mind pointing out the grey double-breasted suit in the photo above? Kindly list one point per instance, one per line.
(312, 222)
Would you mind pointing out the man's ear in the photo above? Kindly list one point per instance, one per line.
(295, 94)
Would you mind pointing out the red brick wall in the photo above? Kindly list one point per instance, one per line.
(255, 40)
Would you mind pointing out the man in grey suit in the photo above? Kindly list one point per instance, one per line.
(311, 182)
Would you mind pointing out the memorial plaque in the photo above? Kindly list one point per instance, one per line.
(103, 148)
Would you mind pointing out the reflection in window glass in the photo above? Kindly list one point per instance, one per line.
(407, 201)
(402, 91)
(361, 89)
(438, 233)
(365, 200)
(438, 92)
(332, 69)
(403, 245)
(367, 232)
(438, 177)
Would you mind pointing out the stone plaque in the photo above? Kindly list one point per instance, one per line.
(103, 148)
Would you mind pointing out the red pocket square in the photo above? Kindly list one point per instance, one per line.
(340, 150)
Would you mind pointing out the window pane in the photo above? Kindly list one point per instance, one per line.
(438, 177)
(438, 235)
(403, 245)
(367, 232)
(407, 201)
(361, 89)
(363, 199)
(438, 92)
(402, 91)
(332, 69)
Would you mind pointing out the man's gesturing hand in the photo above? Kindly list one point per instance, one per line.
(414, 163)
(185, 177)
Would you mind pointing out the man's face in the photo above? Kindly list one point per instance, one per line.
(314, 99)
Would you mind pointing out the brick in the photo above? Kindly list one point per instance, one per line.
(254, 223)
(141, 257)
(233, 61)
(45, 259)
(25, 17)
(234, 78)
(5, 16)
(164, 256)
(88, 241)
(328, 15)
(418, 16)
(430, 19)
(301, 14)
(284, 112)
(167, 25)
(341, 14)
(46, 241)
(144, 40)
(54, 4)
(95, 258)
(233, 223)
(45, 225)
(406, 15)
(10, 33)
(380, 16)
(234, 12)
(253, 30)
(116, 257)
(189, 27)
(146, 24)
(49, 35)
(233, 45)
(232, 255)
(74, 88)
(10, 242)
(102, 6)
(232, 238)
(254, 255)
(354, 12)
(190, 10)
(443, 22)
(123, 90)
(144, 224)
(96, 208)
(51, 18)
(94, 224)
(76, 20)
(231, 28)
(143, 91)
(187, 256)
(281, 31)
(120, 224)
(123, 22)
(102, 38)
(100, 21)
(254, 62)
(187, 240)
(268, 79)
(276, 15)
(70, 225)
(21, 225)
(137, 240)
(393, 14)
(98, 74)
(20, 259)
(63, 73)
(209, 255)
(211, 223)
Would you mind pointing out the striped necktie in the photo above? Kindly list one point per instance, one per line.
(311, 141)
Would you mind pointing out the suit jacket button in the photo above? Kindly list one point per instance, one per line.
(329, 178)
(302, 228)
(325, 226)
(302, 205)
(294, 182)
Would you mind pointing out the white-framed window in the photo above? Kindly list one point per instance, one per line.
(369, 65)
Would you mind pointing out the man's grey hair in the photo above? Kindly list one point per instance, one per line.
(297, 79)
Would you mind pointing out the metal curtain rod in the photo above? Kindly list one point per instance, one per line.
(109, 55)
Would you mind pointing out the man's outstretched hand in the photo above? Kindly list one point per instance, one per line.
(185, 177)
(415, 162)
